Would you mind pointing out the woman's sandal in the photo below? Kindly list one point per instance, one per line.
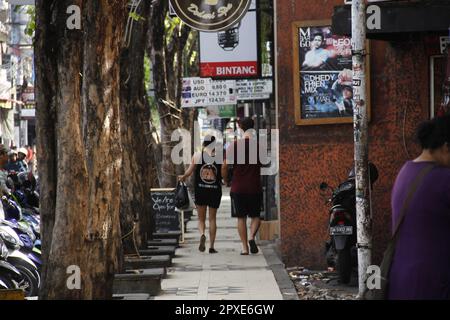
(202, 247)
(244, 253)
(212, 250)
(253, 247)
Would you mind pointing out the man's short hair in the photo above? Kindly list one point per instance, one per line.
(246, 123)
(12, 152)
(3, 149)
(318, 34)
(347, 88)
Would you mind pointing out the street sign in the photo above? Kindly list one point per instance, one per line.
(233, 53)
(21, 2)
(254, 89)
(203, 92)
(172, 12)
(220, 112)
(210, 15)
(387, 18)
(445, 42)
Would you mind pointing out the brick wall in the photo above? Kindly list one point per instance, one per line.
(311, 154)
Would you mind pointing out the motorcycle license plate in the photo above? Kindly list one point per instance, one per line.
(341, 230)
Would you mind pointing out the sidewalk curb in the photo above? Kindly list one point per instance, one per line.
(282, 278)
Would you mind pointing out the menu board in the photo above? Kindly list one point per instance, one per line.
(166, 216)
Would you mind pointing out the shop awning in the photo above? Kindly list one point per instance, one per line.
(398, 17)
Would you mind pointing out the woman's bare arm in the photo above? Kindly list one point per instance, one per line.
(191, 168)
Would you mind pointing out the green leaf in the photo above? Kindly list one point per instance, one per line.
(136, 17)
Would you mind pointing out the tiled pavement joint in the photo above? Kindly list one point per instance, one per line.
(226, 275)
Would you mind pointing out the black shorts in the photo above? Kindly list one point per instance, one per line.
(208, 198)
(247, 205)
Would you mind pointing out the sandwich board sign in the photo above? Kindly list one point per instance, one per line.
(167, 218)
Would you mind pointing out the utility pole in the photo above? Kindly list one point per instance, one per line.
(360, 124)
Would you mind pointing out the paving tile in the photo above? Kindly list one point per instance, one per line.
(223, 276)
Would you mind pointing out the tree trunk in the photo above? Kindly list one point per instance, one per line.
(169, 121)
(168, 50)
(190, 115)
(79, 130)
(138, 163)
(46, 65)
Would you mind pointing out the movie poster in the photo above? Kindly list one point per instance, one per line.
(325, 63)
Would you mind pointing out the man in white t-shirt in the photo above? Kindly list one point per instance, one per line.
(317, 56)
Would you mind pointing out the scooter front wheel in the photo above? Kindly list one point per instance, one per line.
(5, 281)
(29, 284)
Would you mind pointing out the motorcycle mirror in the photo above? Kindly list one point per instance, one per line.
(323, 186)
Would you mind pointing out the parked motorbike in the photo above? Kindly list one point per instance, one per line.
(341, 249)
(29, 271)
(20, 255)
(28, 240)
(24, 186)
(9, 275)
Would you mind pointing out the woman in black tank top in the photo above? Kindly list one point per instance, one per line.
(207, 189)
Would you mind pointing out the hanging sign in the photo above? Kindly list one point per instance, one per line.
(220, 112)
(445, 42)
(253, 89)
(233, 53)
(200, 92)
(172, 12)
(210, 15)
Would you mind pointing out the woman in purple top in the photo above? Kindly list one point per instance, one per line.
(421, 264)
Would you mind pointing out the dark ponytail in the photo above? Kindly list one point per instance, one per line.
(434, 133)
(208, 140)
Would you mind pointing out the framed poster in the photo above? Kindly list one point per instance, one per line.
(323, 75)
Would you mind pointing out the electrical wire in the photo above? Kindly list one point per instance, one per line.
(132, 232)
(129, 27)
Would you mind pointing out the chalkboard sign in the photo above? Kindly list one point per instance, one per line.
(166, 217)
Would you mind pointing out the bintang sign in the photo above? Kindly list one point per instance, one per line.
(210, 15)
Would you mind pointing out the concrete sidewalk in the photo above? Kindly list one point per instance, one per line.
(225, 275)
